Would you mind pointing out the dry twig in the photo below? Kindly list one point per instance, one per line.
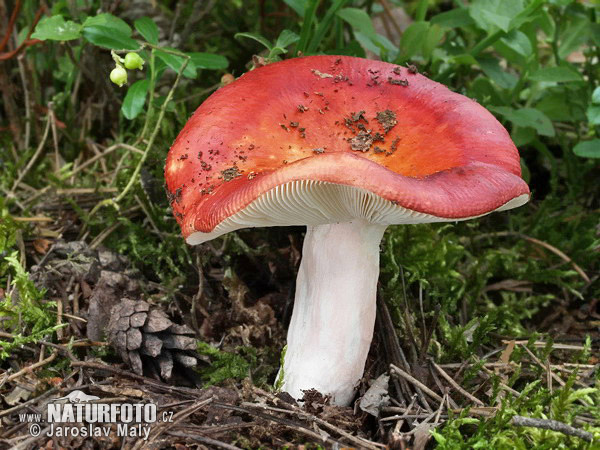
(32, 367)
(553, 425)
(417, 383)
(455, 385)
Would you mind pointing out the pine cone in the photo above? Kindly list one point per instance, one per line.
(145, 338)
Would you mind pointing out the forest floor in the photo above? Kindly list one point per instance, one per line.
(487, 333)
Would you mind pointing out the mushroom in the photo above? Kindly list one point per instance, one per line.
(345, 146)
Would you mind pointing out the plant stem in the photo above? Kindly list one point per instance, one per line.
(421, 10)
(150, 97)
(489, 40)
(163, 109)
(115, 201)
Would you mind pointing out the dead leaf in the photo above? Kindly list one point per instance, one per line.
(17, 395)
(41, 245)
(377, 396)
(505, 355)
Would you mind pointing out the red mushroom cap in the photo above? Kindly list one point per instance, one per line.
(334, 122)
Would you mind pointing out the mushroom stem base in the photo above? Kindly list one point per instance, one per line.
(334, 310)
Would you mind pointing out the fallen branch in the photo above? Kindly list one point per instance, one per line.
(417, 383)
(553, 425)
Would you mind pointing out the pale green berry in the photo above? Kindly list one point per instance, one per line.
(134, 61)
(118, 76)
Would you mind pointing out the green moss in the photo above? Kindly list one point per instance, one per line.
(534, 400)
(225, 365)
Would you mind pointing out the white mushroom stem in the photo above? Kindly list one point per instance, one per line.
(334, 311)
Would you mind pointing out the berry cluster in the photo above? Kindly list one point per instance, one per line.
(131, 61)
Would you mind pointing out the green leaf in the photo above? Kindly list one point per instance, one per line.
(464, 59)
(593, 114)
(413, 38)
(519, 42)
(588, 149)
(595, 31)
(257, 37)
(376, 46)
(545, 22)
(491, 67)
(435, 35)
(286, 38)
(175, 62)
(310, 12)
(526, 117)
(365, 33)
(148, 29)
(596, 96)
(299, 6)
(455, 18)
(367, 43)
(208, 61)
(134, 101)
(555, 74)
(353, 48)
(325, 25)
(359, 20)
(385, 43)
(523, 135)
(558, 106)
(109, 21)
(574, 36)
(108, 37)
(494, 14)
(484, 91)
(528, 14)
(56, 29)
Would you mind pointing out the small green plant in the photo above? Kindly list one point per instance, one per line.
(110, 32)
(456, 292)
(463, 432)
(24, 307)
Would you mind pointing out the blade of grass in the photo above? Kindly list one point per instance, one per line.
(309, 17)
(325, 25)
